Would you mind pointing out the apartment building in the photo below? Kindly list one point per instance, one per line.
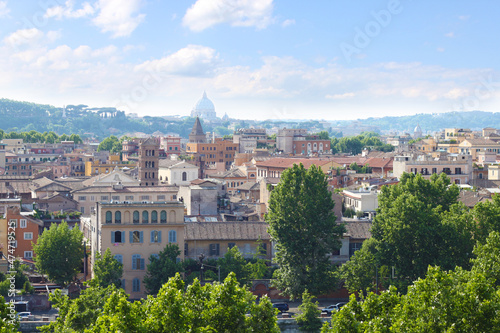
(457, 166)
(134, 232)
(362, 200)
(474, 146)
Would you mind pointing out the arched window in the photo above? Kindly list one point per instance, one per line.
(109, 216)
(145, 217)
(172, 236)
(154, 216)
(136, 285)
(136, 216)
(119, 258)
(171, 216)
(163, 217)
(184, 176)
(118, 217)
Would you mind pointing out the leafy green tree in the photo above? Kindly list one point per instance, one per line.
(323, 135)
(233, 261)
(259, 269)
(308, 319)
(107, 269)
(162, 267)
(359, 273)
(217, 307)
(8, 321)
(350, 145)
(111, 144)
(303, 225)
(59, 253)
(82, 312)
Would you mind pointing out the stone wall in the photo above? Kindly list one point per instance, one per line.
(289, 325)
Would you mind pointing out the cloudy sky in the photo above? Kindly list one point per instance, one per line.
(256, 59)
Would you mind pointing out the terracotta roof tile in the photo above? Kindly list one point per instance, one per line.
(226, 231)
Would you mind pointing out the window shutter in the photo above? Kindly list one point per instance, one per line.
(152, 236)
(159, 236)
(142, 263)
(131, 234)
(112, 236)
(141, 237)
(134, 262)
(123, 236)
(217, 248)
(123, 284)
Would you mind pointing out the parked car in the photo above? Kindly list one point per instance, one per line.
(23, 315)
(334, 307)
(282, 307)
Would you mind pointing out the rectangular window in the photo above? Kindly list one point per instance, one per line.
(458, 171)
(231, 245)
(82, 210)
(129, 198)
(104, 198)
(160, 197)
(12, 223)
(115, 198)
(28, 235)
(136, 285)
(92, 198)
(353, 247)
(144, 197)
(23, 223)
(82, 198)
(214, 249)
(28, 254)
(434, 170)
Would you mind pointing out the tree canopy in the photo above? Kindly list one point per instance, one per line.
(442, 301)
(217, 307)
(107, 269)
(59, 253)
(303, 225)
(162, 267)
(419, 223)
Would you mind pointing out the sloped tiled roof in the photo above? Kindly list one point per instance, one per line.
(249, 186)
(470, 199)
(226, 231)
(380, 162)
(358, 229)
(282, 162)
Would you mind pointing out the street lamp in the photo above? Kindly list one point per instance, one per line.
(201, 257)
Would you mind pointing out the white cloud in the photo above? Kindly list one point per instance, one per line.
(23, 36)
(464, 17)
(243, 13)
(287, 23)
(440, 49)
(450, 34)
(4, 10)
(118, 17)
(340, 96)
(193, 60)
(68, 11)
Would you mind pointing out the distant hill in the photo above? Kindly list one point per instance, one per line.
(475, 120)
(102, 122)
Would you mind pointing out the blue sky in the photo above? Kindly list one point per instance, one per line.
(256, 59)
